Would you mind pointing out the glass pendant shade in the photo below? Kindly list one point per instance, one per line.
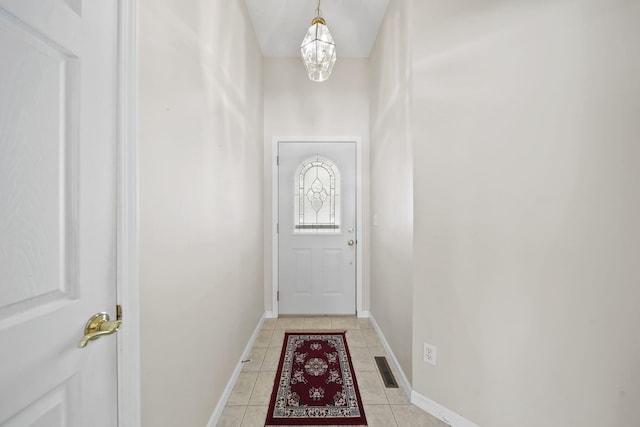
(318, 51)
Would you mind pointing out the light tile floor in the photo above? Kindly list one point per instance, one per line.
(384, 407)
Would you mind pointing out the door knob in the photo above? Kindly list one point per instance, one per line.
(97, 326)
(351, 242)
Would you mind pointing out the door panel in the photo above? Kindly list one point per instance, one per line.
(54, 409)
(57, 210)
(332, 260)
(317, 218)
(303, 267)
(39, 89)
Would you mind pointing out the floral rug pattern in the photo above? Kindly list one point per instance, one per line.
(315, 382)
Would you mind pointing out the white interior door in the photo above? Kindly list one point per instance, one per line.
(58, 68)
(317, 227)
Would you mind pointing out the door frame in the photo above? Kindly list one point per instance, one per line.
(276, 140)
(127, 282)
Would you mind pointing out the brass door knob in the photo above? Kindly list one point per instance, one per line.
(98, 325)
(351, 242)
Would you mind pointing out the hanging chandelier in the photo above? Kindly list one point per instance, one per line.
(318, 49)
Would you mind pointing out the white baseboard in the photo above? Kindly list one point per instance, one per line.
(364, 314)
(270, 315)
(440, 412)
(217, 412)
(427, 405)
(403, 380)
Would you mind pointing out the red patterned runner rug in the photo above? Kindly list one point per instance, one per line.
(315, 383)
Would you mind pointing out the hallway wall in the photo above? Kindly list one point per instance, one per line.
(295, 106)
(392, 183)
(526, 210)
(201, 216)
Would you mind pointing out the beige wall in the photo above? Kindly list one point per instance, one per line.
(201, 216)
(526, 223)
(504, 151)
(296, 106)
(392, 184)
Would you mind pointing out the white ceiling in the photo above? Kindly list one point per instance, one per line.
(280, 25)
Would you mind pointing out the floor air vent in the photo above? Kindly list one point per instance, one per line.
(385, 371)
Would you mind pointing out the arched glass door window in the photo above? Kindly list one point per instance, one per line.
(317, 196)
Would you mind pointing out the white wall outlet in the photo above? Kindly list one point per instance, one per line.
(429, 354)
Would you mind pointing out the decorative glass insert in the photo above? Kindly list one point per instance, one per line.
(317, 196)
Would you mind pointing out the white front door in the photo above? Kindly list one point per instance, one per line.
(317, 227)
(58, 68)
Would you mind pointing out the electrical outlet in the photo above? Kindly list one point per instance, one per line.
(429, 354)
